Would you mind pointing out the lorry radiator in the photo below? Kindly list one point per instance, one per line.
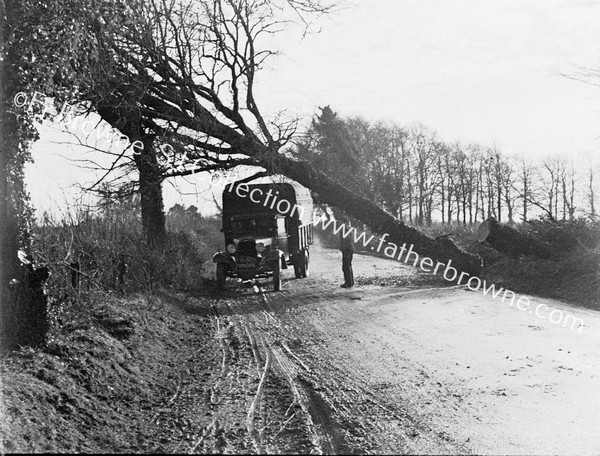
(247, 247)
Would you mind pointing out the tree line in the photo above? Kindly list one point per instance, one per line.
(420, 179)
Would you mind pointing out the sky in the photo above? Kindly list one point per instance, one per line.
(486, 71)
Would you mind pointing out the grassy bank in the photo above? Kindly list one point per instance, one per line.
(116, 349)
(104, 377)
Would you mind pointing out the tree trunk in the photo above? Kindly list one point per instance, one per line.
(564, 196)
(380, 221)
(151, 199)
(482, 190)
(410, 199)
(23, 307)
(428, 215)
(556, 202)
(443, 203)
(9, 231)
(510, 213)
(525, 195)
(457, 199)
(150, 177)
(421, 199)
(572, 198)
(499, 198)
(449, 217)
(470, 199)
(476, 200)
(591, 193)
(509, 241)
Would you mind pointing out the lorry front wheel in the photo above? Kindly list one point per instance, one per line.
(221, 275)
(277, 276)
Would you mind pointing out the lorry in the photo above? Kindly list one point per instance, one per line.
(267, 225)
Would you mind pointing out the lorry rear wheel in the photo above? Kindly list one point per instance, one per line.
(298, 263)
(303, 267)
(277, 276)
(305, 264)
(221, 275)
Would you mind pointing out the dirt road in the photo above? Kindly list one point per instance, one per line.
(400, 369)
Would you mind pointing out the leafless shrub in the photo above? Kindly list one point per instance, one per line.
(104, 251)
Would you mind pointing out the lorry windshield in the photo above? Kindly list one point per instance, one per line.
(253, 226)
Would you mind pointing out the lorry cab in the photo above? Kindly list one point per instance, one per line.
(261, 241)
(268, 230)
(255, 241)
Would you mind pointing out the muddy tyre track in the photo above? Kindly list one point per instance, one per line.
(294, 417)
(331, 409)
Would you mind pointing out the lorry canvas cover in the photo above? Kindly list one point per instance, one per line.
(274, 194)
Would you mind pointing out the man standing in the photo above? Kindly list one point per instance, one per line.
(347, 248)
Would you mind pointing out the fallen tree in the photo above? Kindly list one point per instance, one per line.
(380, 221)
(209, 129)
(511, 242)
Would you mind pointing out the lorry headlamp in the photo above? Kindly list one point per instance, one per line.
(260, 247)
(231, 248)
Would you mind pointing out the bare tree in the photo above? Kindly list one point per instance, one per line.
(507, 185)
(443, 178)
(421, 143)
(567, 180)
(525, 189)
(471, 180)
(550, 181)
(183, 83)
